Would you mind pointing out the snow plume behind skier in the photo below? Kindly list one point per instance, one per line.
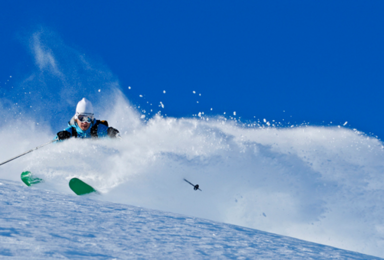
(84, 125)
(303, 179)
(316, 183)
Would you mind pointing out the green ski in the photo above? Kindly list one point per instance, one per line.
(28, 178)
(80, 188)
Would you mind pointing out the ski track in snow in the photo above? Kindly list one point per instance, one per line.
(40, 224)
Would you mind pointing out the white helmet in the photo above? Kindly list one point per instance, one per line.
(84, 107)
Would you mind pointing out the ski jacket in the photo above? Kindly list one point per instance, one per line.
(96, 129)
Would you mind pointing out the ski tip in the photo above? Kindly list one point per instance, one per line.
(81, 188)
(28, 178)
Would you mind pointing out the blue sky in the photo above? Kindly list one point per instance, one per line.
(319, 61)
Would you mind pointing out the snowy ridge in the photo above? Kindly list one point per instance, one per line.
(40, 224)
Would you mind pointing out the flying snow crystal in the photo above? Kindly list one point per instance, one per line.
(140, 95)
(197, 101)
(346, 122)
(10, 76)
(211, 109)
(200, 95)
(99, 90)
(234, 113)
(129, 87)
(142, 116)
(194, 92)
(164, 91)
(224, 113)
(161, 104)
(265, 120)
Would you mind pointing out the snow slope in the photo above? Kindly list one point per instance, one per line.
(40, 224)
(317, 183)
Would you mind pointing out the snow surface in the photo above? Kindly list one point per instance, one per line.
(316, 183)
(40, 224)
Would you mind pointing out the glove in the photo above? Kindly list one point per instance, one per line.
(112, 132)
(62, 135)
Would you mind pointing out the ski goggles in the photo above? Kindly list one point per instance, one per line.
(85, 118)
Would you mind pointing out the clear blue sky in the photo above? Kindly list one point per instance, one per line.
(316, 60)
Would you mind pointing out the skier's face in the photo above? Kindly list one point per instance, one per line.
(83, 125)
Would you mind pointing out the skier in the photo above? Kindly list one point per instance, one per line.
(84, 125)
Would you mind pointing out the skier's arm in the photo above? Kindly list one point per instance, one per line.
(64, 135)
(112, 132)
(105, 131)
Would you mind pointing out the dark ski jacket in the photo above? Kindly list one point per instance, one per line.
(97, 129)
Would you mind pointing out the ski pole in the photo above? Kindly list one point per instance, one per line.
(195, 187)
(27, 152)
